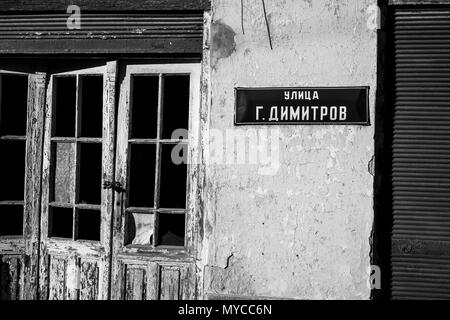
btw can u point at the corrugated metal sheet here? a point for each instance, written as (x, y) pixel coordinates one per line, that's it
(421, 154)
(44, 33)
(420, 277)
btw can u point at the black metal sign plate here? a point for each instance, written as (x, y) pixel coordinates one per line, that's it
(302, 106)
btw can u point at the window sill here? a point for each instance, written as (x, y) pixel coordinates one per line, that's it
(161, 253)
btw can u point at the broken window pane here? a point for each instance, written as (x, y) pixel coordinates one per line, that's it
(64, 172)
(173, 177)
(139, 229)
(171, 229)
(91, 106)
(60, 222)
(12, 162)
(142, 175)
(90, 173)
(13, 104)
(176, 104)
(89, 225)
(12, 220)
(65, 102)
(145, 90)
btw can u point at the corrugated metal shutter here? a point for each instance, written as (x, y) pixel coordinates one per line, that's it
(102, 33)
(421, 155)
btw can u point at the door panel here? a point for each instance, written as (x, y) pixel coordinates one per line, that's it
(76, 208)
(64, 209)
(147, 280)
(21, 125)
(153, 226)
(11, 277)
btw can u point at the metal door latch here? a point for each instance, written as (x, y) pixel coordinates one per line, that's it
(116, 186)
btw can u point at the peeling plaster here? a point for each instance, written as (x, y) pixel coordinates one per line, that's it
(223, 44)
(305, 232)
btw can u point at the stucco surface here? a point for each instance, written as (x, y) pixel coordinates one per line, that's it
(304, 231)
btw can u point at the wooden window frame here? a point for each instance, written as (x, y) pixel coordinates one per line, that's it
(70, 250)
(76, 140)
(23, 138)
(22, 248)
(38, 252)
(193, 142)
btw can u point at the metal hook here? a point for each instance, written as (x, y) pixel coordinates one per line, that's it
(116, 186)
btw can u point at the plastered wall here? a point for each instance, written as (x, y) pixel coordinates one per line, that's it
(303, 232)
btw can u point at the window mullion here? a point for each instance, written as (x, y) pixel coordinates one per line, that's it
(158, 157)
(77, 156)
(158, 143)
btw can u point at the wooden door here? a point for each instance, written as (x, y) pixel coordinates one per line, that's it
(78, 160)
(154, 233)
(21, 117)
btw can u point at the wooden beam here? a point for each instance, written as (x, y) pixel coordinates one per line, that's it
(35, 132)
(87, 46)
(418, 2)
(104, 5)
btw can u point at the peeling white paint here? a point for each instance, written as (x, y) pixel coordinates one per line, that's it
(303, 232)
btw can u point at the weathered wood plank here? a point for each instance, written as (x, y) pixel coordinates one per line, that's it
(105, 5)
(57, 279)
(73, 140)
(118, 272)
(153, 281)
(44, 264)
(13, 245)
(44, 267)
(158, 153)
(35, 128)
(108, 148)
(194, 172)
(29, 158)
(135, 284)
(123, 120)
(72, 278)
(158, 254)
(200, 193)
(187, 282)
(77, 154)
(170, 283)
(87, 248)
(10, 277)
(89, 281)
(88, 46)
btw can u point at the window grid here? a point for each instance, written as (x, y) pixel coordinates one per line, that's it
(76, 141)
(14, 139)
(158, 142)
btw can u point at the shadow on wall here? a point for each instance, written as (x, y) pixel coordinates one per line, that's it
(222, 39)
(382, 225)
